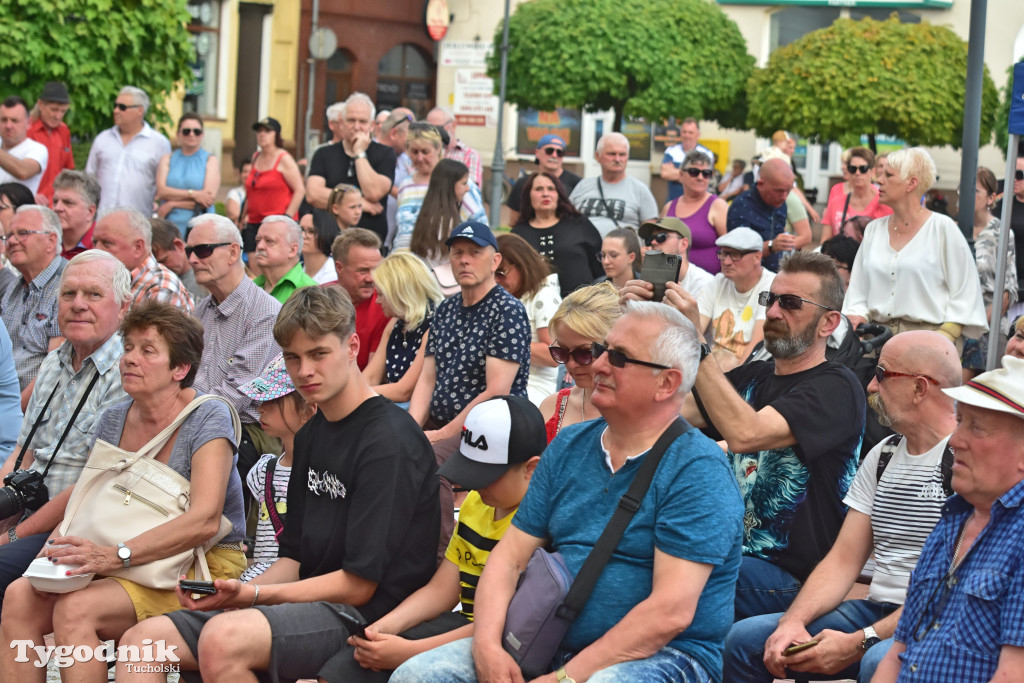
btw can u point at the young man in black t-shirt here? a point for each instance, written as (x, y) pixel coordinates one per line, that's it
(362, 527)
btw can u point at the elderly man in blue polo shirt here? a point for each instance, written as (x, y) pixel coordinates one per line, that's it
(763, 208)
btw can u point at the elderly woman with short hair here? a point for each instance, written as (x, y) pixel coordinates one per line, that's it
(914, 269)
(162, 349)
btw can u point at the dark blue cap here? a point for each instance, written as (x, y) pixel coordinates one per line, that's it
(474, 231)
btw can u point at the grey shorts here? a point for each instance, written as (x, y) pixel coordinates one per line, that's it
(304, 636)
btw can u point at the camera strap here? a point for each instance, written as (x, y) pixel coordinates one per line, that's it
(67, 428)
(611, 214)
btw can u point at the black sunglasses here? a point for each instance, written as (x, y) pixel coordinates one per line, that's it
(787, 302)
(581, 356)
(121, 106)
(203, 250)
(658, 238)
(191, 131)
(881, 374)
(557, 151)
(1019, 175)
(618, 359)
(694, 172)
(854, 170)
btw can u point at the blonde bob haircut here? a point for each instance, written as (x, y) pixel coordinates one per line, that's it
(588, 311)
(408, 285)
(913, 162)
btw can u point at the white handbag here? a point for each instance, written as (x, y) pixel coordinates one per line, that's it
(120, 495)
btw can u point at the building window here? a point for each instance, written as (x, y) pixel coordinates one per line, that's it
(794, 23)
(204, 27)
(405, 78)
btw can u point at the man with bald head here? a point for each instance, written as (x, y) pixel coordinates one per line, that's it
(278, 245)
(613, 199)
(894, 502)
(442, 117)
(763, 208)
(127, 234)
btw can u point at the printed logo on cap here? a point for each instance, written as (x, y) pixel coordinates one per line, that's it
(485, 435)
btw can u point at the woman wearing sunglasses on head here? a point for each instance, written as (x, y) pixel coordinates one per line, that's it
(584, 317)
(862, 200)
(703, 212)
(914, 270)
(558, 231)
(188, 178)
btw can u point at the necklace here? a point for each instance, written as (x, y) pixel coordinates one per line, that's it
(955, 563)
(583, 406)
(906, 224)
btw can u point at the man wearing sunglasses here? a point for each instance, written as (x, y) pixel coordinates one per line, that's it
(660, 609)
(894, 502)
(763, 208)
(613, 199)
(672, 236)
(125, 158)
(238, 327)
(550, 152)
(689, 134)
(793, 428)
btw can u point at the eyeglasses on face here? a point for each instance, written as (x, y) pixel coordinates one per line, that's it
(729, 255)
(191, 131)
(618, 359)
(121, 106)
(854, 169)
(658, 238)
(695, 172)
(881, 374)
(787, 302)
(601, 255)
(505, 269)
(1019, 175)
(580, 356)
(20, 234)
(203, 250)
(557, 151)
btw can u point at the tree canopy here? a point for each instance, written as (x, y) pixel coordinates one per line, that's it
(650, 58)
(867, 77)
(95, 47)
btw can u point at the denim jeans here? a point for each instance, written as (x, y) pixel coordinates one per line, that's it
(744, 646)
(763, 588)
(453, 663)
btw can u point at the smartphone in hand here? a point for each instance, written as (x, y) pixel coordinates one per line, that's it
(356, 627)
(200, 587)
(658, 269)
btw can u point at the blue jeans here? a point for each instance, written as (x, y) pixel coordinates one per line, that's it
(763, 588)
(453, 663)
(744, 646)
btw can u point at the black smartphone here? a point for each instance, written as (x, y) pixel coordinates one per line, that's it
(201, 587)
(658, 269)
(793, 649)
(355, 626)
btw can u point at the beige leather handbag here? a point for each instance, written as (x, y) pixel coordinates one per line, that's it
(120, 495)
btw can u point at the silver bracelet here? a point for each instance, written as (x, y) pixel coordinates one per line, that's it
(256, 596)
(12, 534)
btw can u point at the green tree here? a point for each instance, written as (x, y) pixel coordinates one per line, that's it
(95, 47)
(868, 77)
(650, 58)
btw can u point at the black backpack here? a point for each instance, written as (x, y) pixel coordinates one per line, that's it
(889, 447)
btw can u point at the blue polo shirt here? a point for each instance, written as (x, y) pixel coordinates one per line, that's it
(749, 210)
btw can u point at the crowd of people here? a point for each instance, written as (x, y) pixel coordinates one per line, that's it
(384, 410)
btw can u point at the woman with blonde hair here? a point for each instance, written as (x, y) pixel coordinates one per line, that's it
(584, 317)
(409, 295)
(914, 270)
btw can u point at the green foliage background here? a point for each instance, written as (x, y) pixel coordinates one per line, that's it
(95, 47)
(650, 58)
(863, 77)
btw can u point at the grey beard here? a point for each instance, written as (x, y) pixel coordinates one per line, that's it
(876, 404)
(786, 347)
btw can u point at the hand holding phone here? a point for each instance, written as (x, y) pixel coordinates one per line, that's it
(356, 627)
(200, 587)
(658, 269)
(793, 649)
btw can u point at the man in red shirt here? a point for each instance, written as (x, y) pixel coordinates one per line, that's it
(48, 128)
(356, 253)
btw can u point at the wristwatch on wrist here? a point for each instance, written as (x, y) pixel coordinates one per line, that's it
(870, 638)
(12, 534)
(361, 155)
(562, 676)
(705, 351)
(125, 554)
(770, 242)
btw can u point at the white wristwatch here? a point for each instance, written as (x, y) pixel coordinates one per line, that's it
(870, 638)
(125, 554)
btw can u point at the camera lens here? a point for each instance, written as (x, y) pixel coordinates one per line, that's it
(11, 502)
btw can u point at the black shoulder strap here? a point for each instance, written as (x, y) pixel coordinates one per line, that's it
(888, 448)
(67, 428)
(607, 207)
(268, 497)
(846, 206)
(586, 579)
(947, 470)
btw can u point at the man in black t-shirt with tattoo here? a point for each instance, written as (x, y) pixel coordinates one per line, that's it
(793, 427)
(362, 528)
(356, 160)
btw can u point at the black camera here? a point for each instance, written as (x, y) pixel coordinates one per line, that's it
(23, 490)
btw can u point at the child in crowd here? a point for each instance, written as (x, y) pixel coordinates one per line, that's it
(282, 413)
(501, 445)
(346, 205)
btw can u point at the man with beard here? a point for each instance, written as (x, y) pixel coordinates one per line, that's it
(895, 501)
(792, 426)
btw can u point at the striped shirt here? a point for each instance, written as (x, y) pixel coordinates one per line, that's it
(265, 552)
(151, 280)
(29, 310)
(904, 508)
(475, 537)
(460, 151)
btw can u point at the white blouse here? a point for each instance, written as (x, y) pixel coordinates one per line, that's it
(932, 279)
